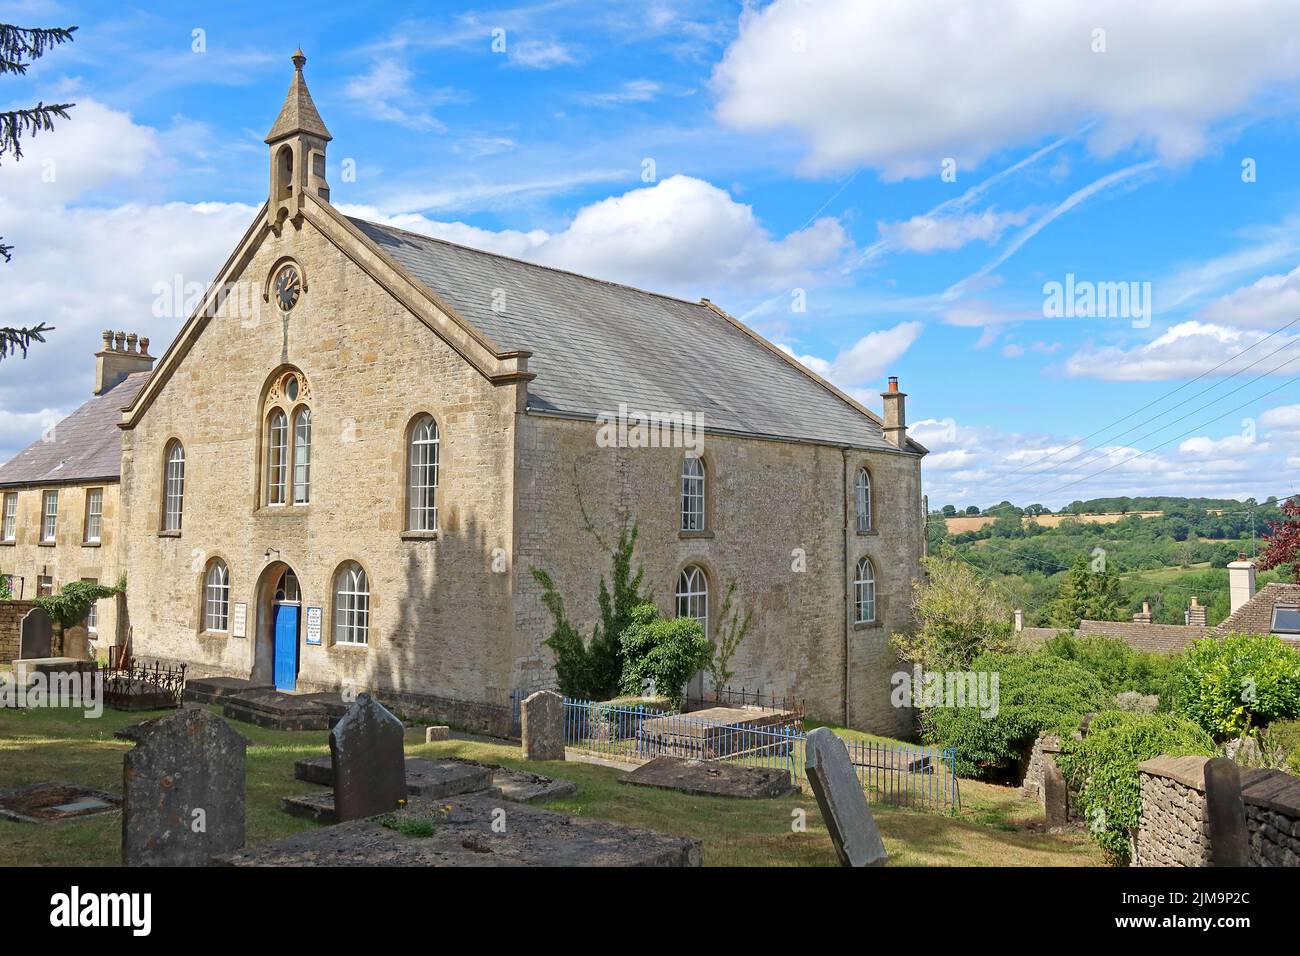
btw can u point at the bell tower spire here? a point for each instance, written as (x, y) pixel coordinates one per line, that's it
(297, 142)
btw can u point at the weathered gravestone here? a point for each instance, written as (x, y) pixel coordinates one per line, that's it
(36, 635)
(1225, 812)
(1056, 795)
(842, 801)
(541, 721)
(183, 791)
(369, 763)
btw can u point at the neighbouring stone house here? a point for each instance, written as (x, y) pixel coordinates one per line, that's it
(346, 464)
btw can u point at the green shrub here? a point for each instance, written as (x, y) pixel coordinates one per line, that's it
(1102, 769)
(665, 651)
(1232, 685)
(1036, 692)
(1282, 740)
(1119, 667)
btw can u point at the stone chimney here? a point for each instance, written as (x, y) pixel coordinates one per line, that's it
(119, 358)
(1241, 582)
(1145, 616)
(895, 414)
(1020, 620)
(1196, 614)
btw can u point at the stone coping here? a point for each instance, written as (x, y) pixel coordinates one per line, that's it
(1270, 789)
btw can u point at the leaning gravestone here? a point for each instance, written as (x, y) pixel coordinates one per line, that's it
(1056, 795)
(541, 722)
(183, 791)
(369, 763)
(842, 801)
(1225, 813)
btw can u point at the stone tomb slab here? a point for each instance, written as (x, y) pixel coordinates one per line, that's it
(463, 835)
(520, 786)
(218, 690)
(54, 802)
(711, 778)
(275, 710)
(430, 779)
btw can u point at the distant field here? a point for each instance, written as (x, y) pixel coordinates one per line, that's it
(961, 524)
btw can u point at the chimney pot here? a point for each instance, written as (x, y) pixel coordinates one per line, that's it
(131, 339)
(895, 418)
(119, 358)
(144, 345)
(1241, 582)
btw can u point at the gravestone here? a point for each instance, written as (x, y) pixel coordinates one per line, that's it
(1056, 796)
(369, 763)
(1225, 813)
(183, 791)
(842, 801)
(541, 724)
(36, 635)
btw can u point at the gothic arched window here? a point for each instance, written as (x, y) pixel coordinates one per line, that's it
(693, 595)
(864, 593)
(174, 487)
(286, 447)
(693, 480)
(351, 605)
(216, 597)
(863, 489)
(422, 475)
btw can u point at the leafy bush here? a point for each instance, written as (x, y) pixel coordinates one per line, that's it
(1119, 667)
(1282, 737)
(665, 651)
(1231, 685)
(1036, 692)
(958, 616)
(1102, 769)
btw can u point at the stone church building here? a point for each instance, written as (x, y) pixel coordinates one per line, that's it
(345, 466)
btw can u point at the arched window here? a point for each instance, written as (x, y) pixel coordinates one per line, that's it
(277, 457)
(351, 605)
(216, 597)
(864, 593)
(284, 173)
(864, 499)
(302, 456)
(692, 493)
(693, 595)
(422, 481)
(174, 487)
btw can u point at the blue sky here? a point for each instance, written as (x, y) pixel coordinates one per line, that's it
(879, 187)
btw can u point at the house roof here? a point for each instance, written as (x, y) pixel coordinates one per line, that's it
(85, 446)
(596, 345)
(1256, 615)
(1157, 638)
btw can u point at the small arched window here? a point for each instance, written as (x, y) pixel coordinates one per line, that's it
(422, 481)
(284, 173)
(302, 456)
(216, 597)
(863, 489)
(351, 605)
(277, 457)
(174, 487)
(693, 595)
(864, 593)
(692, 493)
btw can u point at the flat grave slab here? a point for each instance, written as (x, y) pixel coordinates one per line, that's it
(719, 732)
(712, 778)
(215, 690)
(55, 802)
(520, 786)
(425, 777)
(276, 710)
(463, 835)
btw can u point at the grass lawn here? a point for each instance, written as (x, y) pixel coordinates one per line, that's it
(994, 827)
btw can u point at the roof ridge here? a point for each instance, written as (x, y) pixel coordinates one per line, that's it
(535, 265)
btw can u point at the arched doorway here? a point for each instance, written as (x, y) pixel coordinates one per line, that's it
(279, 619)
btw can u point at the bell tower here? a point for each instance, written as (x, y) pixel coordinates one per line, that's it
(297, 142)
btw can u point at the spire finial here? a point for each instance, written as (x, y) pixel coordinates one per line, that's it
(299, 60)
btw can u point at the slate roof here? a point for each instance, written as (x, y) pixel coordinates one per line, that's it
(1256, 615)
(86, 446)
(1157, 638)
(298, 115)
(598, 344)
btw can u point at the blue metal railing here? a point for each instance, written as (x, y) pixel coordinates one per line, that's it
(921, 777)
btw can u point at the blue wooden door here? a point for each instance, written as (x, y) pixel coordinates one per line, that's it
(286, 646)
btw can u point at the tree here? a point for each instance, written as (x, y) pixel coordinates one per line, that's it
(72, 604)
(663, 651)
(19, 47)
(1086, 593)
(949, 511)
(1282, 543)
(958, 616)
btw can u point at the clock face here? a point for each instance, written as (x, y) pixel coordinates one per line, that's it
(288, 285)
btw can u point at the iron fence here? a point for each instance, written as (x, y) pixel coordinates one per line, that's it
(730, 697)
(137, 685)
(919, 777)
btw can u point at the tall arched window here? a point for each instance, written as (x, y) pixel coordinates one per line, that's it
(277, 457)
(302, 456)
(174, 487)
(864, 499)
(864, 593)
(422, 481)
(692, 493)
(216, 597)
(351, 605)
(693, 595)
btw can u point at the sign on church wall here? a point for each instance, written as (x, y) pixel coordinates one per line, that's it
(313, 625)
(239, 621)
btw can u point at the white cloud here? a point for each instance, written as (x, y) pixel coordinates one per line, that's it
(1188, 349)
(539, 54)
(936, 233)
(902, 84)
(385, 93)
(681, 235)
(633, 91)
(1269, 302)
(1284, 418)
(864, 362)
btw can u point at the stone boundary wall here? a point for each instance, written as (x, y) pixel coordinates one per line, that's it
(1175, 830)
(11, 619)
(1032, 785)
